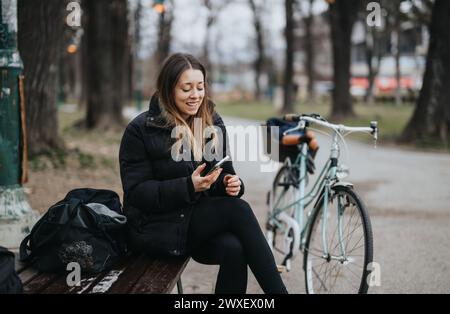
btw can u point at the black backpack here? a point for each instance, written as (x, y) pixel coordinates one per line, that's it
(9, 281)
(72, 231)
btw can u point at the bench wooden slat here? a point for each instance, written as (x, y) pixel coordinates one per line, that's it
(40, 282)
(60, 286)
(130, 276)
(135, 274)
(87, 282)
(161, 275)
(27, 275)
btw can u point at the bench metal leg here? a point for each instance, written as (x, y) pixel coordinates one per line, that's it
(179, 286)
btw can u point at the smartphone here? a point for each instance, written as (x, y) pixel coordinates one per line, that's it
(217, 165)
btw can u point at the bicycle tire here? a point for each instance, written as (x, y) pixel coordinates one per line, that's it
(368, 242)
(282, 173)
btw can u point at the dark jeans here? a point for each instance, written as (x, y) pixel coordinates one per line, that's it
(224, 231)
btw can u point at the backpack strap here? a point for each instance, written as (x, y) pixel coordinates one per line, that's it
(25, 257)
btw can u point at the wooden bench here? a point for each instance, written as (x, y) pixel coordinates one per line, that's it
(138, 274)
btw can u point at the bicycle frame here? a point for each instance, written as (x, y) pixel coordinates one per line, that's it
(322, 186)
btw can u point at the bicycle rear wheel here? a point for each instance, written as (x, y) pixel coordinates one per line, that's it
(335, 272)
(284, 192)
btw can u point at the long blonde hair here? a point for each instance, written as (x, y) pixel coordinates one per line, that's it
(168, 78)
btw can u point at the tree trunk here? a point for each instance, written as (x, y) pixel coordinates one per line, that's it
(259, 62)
(288, 85)
(164, 37)
(431, 118)
(372, 71)
(106, 64)
(342, 17)
(309, 46)
(41, 29)
(206, 46)
(396, 52)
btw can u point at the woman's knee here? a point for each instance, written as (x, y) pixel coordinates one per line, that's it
(240, 207)
(231, 247)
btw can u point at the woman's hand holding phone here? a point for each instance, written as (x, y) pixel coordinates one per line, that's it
(204, 183)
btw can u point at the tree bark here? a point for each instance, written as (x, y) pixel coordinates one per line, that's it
(41, 29)
(431, 117)
(396, 52)
(206, 45)
(288, 84)
(343, 15)
(214, 9)
(259, 62)
(106, 65)
(372, 51)
(164, 35)
(309, 47)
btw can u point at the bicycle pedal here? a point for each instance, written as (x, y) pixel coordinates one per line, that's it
(281, 269)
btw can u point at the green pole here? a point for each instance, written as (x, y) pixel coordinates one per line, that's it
(13, 204)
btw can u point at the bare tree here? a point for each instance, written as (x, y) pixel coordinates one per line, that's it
(394, 20)
(373, 59)
(164, 33)
(343, 14)
(288, 83)
(107, 45)
(309, 49)
(258, 65)
(136, 75)
(40, 34)
(431, 117)
(214, 9)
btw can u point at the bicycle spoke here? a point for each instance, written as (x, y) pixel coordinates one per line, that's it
(320, 280)
(336, 277)
(359, 246)
(356, 275)
(329, 271)
(351, 284)
(319, 251)
(343, 240)
(352, 249)
(351, 234)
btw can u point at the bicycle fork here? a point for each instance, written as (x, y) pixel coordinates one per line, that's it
(327, 195)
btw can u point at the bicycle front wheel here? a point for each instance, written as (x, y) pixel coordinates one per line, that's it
(344, 266)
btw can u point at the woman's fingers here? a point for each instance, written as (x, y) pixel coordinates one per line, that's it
(234, 184)
(199, 169)
(210, 179)
(233, 181)
(232, 193)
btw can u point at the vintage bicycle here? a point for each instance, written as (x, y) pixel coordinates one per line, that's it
(335, 235)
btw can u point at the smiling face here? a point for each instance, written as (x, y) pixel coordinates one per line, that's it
(189, 92)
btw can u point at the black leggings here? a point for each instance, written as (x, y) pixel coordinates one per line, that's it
(224, 231)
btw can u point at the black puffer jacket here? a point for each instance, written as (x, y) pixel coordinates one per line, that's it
(159, 195)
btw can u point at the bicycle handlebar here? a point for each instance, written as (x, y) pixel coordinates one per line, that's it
(317, 119)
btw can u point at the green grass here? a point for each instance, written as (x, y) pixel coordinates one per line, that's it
(391, 119)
